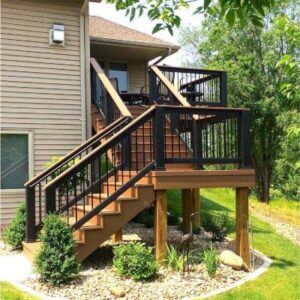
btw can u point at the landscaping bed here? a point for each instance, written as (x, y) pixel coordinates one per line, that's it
(98, 280)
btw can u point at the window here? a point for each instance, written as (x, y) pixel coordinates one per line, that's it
(119, 71)
(14, 161)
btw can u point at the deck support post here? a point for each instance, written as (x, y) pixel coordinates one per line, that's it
(196, 207)
(242, 221)
(186, 198)
(160, 224)
(118, 236)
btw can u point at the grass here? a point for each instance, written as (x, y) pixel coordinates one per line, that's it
(281, 281)
(280, 209)
(9, 292)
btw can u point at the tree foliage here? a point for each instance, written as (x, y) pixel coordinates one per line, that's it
(254, 59)
(166, 13)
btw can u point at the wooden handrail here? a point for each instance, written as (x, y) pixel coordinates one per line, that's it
(110, 89)
(170, 86)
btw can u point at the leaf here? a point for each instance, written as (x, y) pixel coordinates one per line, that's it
(230, 17)
(132, 14)
(157, 28)
(206, 4)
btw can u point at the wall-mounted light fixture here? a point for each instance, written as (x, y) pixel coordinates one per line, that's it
(57, 35)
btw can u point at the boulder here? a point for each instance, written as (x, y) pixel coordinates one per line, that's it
(117, 291)
(231, 259)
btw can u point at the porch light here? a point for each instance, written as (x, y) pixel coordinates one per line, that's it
(57, 35)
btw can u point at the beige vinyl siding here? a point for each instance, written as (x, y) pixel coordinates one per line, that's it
(137, 75)
(40, 85)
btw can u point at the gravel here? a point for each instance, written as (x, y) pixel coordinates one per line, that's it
(97, 275)
(7, 250)
(287, 230)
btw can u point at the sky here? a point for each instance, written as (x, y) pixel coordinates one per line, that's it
(143, 24)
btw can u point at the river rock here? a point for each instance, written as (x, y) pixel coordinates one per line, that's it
(231, 259)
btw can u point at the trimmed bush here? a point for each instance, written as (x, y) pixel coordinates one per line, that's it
(217, 224)
(210, 258)
(14, 235)
(134, 260)
(56, 262)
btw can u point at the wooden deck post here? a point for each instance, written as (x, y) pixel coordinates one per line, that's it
(186, 198)
(196, 207)
(118, 236)
(242, 221)
(160, 225)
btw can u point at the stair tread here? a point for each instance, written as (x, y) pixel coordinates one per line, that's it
(90, 207)
(122, 197)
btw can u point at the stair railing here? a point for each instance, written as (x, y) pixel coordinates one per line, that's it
(198, 87)
(35, 196)
(80, 196)
(105, 96)
(221, 138)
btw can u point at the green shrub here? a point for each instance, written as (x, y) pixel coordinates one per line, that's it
(56, 262)
(14, 235)
(80, 177)
(210, 258)
(217, 224)
(175, 260)
(134, 260)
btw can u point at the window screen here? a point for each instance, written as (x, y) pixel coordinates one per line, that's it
(14, 160)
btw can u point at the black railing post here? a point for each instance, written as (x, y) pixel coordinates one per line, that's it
(30, 214)
(197, 143)
(223, 89)
(153, 87)
(50, 200)
(159, 139)
(245, 139)
(127, 152)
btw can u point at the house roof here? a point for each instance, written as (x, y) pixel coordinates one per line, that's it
(107, 31)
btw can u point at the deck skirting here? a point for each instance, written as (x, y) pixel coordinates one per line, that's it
(184, 179)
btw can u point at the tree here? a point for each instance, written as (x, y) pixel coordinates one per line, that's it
(251, 56)
(166, 13)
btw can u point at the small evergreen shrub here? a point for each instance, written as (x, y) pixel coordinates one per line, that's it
(210, 258)
(56, 262)
(217, 224)
(134, 260)
(175, 260)
(14, 234)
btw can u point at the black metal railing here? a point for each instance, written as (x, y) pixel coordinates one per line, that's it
(206, 136)
(163, 134)
(35, 196)
(86, 188)
(199, 87)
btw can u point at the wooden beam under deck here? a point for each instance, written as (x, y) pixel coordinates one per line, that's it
(189, 179)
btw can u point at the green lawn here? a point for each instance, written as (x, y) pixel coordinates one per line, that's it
(282, 280)
(9, 292)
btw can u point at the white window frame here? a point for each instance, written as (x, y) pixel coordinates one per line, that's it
(30, 135)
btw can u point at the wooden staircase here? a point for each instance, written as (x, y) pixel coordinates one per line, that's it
(139, 142)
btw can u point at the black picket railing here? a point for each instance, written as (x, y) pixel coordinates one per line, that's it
(199, 87)
(35, 195)
(105, 173)
(209, 135)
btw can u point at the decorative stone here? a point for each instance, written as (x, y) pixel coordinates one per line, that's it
(117, 291)
(231, 259)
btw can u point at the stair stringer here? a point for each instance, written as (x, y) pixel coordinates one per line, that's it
(93, 238)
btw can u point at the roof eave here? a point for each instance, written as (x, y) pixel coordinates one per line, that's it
(174, 48)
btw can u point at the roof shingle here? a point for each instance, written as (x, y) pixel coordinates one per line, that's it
(104, 29)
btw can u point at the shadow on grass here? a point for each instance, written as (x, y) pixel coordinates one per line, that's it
(281, 263)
